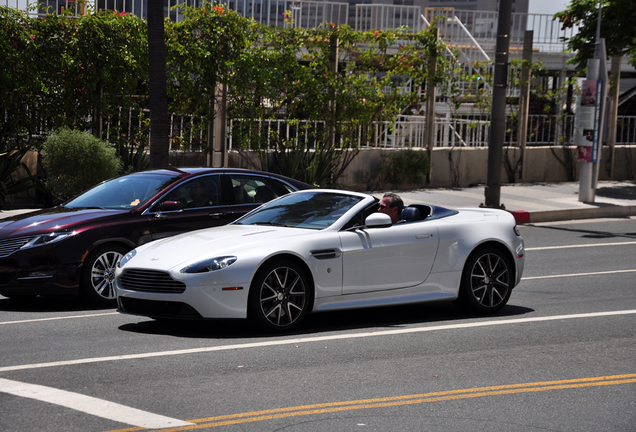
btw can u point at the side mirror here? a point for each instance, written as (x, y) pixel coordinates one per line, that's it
(378, 220)
(170, 206)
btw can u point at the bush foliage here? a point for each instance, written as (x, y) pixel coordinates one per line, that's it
(75, 161)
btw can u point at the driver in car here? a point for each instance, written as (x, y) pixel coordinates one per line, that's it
(391, 205)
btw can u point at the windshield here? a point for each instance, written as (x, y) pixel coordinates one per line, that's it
(125, 193)
(310, 210)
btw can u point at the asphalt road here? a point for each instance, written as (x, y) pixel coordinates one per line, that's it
(560, 357)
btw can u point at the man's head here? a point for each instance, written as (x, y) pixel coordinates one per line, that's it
(392, 205)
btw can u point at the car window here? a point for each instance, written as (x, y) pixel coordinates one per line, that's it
(125, 192)
(252, 189)
(196, 193)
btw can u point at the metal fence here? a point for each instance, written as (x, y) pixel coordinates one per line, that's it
(409, 131)
(453, 23)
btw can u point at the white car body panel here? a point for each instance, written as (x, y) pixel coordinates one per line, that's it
(381, 259)
(404, 263)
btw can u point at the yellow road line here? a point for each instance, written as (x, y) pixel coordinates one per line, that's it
(278, 413)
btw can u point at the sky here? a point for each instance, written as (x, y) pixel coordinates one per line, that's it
(547, 6)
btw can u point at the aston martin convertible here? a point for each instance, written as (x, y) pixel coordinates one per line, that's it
(321, 250)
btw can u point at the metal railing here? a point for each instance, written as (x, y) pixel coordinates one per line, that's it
(409, 131)
(482, 25)
(386, 16)
(189, 132)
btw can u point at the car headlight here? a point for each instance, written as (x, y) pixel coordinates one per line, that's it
(209, 265)
(127, 258)
(47, 239)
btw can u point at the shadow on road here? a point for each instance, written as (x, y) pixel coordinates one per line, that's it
(623, 192)
(380, 318)
(47, 304)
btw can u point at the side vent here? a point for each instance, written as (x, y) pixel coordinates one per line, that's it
(324, 254)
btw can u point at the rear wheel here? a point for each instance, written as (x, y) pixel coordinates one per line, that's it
(279, 295)
(487, 281)
(98, 278)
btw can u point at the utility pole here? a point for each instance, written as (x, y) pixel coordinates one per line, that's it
(498, 111)
(591, 123)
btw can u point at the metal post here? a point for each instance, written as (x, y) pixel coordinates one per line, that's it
(524, 99)
(613, 110)
(586, 191)
(430, 107)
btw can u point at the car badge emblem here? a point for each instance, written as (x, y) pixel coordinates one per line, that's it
(154, 259)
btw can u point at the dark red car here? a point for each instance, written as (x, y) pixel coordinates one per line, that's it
(74, 248)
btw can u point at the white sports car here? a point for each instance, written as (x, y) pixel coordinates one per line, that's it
(319, 250)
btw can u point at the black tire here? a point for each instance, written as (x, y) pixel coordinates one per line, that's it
(487, 281)
(98, 278)
(279, 296)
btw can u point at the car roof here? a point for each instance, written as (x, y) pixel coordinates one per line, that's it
(197, 171)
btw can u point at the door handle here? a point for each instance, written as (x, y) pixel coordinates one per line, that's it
(423, 236)
(216, 215)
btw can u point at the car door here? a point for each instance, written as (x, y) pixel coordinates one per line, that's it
(197, 212)
(394, 257)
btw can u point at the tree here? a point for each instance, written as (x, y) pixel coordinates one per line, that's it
(617, 28)
(157, 87)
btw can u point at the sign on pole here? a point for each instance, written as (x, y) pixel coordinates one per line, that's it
(587, 133)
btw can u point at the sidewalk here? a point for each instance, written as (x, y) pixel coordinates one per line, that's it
(533, 203)
(529, 203)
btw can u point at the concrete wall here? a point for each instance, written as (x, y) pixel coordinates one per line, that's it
(456, 167)
(462, 167)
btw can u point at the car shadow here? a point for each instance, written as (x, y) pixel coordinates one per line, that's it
(47, 304)
(386, 317)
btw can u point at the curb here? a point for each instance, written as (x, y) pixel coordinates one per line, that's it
(525, 217)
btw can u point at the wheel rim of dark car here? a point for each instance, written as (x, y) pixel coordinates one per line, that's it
(103, 274)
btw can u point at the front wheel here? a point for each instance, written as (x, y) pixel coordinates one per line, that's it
(98, 278)
(487, 281)
(279, 295)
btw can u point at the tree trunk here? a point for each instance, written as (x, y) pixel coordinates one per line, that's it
(159, 118)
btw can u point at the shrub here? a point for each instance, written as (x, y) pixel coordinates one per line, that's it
(74, 161)
(405, 167)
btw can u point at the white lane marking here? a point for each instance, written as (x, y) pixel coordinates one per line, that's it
(578, 274)
(580, 246)
(90, 405)
(58, 318)
(314, 339)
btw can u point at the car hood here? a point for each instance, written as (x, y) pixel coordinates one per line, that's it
(227, 240)
(53, 219)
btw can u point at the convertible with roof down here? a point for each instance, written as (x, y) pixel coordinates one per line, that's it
(320, 250)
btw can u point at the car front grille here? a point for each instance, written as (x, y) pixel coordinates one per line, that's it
(8, 246)
(150, 281)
